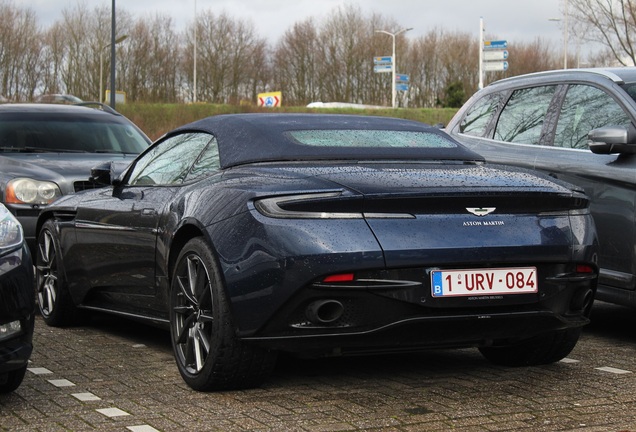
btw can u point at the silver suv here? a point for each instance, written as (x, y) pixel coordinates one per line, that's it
(578, 126)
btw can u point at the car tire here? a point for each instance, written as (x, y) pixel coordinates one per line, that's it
(53, 298)
(208, 352)
(543, 349)
(12, 380)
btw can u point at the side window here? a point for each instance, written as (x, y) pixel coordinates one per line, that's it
(523, 116)
(479, 115)
(207, 163)
(586, 108)
(169, 161)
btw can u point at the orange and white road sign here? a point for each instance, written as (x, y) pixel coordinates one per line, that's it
(270, 100)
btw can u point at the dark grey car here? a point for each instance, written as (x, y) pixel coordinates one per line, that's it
(47, 151)
(543, 121)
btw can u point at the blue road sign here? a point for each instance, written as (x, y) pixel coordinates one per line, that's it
(401, 78)
(382, 60)
(402, 87)
(496, 44)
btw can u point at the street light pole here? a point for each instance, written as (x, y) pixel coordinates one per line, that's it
(565, 34)
(101, 66)
(394, 61)
(194, 66)
(112, 58)
(565, 38)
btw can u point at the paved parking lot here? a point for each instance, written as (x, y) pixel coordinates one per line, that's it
(116, 375)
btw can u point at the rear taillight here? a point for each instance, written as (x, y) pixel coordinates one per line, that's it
(584, 268)
(341, 277)
(323, 205)
(304, 206)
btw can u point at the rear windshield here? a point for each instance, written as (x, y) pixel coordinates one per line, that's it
(70, 136)
(370, 138)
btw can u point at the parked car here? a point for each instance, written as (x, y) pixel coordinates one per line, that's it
(546, 121)
(321, 235)
(46, 151)
(58, 98)
(17, 303)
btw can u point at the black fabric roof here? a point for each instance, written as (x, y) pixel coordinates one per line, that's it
(249, 138)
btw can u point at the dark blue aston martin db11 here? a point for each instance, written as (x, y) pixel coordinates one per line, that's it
(321, 235)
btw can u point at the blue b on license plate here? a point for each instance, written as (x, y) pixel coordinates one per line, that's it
(475, 282)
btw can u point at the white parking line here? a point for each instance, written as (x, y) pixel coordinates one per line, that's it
(112, 412)
(39, 370)
(613, 370)
(61, 383)
(85, 397)
(142, 428)
(569, 360)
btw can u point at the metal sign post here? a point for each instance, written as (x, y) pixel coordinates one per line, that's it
(493, 55)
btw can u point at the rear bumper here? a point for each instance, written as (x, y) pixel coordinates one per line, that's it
(419, 333)
(401, 314)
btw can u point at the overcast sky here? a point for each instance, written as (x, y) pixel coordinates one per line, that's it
(513, 20)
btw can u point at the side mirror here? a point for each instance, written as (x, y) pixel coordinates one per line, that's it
(102, 174)
(612, 139)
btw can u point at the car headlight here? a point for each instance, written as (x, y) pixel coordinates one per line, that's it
(11, 234)
(9, 330)
(29, 191)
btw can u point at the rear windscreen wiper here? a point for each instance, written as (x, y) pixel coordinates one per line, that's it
(38, 150)
(9, 149)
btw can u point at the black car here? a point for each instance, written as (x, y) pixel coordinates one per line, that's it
(46, 151)
(17, 303)
(546, 121)
(321, 235)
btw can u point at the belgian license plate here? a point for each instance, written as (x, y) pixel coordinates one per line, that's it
(476, 282)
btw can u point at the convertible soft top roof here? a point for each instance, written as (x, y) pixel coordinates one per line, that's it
(250, 138)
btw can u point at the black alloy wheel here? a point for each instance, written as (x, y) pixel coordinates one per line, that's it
(53, 298)
(208, 353)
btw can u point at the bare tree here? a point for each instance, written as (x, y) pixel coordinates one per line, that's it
(230, 58)
(148, 63)
(433, 71)
(346, 52)
(612, 23)
(53, 58)
(77, 45)
(334, 61)
(20, 52)
(296, 63)
(77, 25)
(425, 69)
(534, 56)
